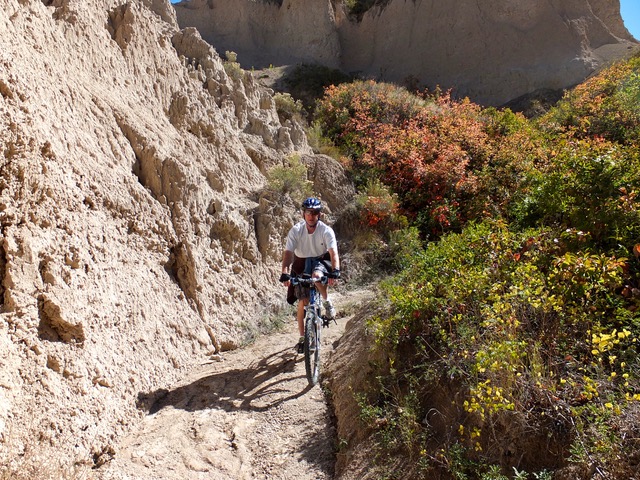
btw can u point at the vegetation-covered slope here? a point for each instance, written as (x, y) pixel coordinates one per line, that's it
(509, 342)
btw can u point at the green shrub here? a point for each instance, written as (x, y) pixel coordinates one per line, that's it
(511, 318)
(288, 108)
(590, 186)
(320, 143)
(606, 105)
(290, 179)
(403, 245)
(232, 67)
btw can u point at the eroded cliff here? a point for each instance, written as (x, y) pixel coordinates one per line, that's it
(491, 51)
(134, 236)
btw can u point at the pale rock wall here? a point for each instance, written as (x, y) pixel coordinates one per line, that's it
(267, 32)
(491, 51)
(131, 170)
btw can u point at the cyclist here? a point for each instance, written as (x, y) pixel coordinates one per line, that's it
(311, 248)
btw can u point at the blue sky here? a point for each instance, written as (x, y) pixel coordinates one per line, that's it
(630, 10)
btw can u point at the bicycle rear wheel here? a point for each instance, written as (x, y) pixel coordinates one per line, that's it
(312, 348)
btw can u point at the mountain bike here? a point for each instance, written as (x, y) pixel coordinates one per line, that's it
(313, 323)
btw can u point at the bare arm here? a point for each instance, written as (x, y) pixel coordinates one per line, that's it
(335, 258)
(287, 260)
(335, 263)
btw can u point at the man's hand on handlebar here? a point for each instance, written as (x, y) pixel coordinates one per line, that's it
(285, 278)
(333, 276)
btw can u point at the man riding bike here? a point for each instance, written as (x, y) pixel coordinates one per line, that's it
(311, 248)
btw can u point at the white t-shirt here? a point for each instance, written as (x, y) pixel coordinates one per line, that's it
(306, 245)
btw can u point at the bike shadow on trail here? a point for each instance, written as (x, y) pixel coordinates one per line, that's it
(262, 386)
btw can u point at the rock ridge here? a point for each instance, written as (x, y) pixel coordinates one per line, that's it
(490, 51)
(134, 239)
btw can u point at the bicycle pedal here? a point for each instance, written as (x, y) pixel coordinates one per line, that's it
(326, 322)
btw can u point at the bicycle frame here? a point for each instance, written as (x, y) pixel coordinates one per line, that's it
(312, 326)
(314, 302)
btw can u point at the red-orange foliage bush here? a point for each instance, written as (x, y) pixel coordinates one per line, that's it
(347, 108)
(427, 149)
(379, 208)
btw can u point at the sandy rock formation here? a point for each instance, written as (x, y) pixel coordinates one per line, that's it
(267, 32)
(492, 51)
(131, 169)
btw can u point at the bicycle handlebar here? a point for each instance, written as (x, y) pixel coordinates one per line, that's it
(307, 281)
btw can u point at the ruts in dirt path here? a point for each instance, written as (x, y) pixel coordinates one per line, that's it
(249, 415)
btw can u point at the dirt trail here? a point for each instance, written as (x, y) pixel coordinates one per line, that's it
(251, 414)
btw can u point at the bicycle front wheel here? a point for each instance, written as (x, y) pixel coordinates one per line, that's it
(312, 348)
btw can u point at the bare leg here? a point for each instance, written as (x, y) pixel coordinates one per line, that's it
(324, 293)
(321, 288)
(300, 315)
